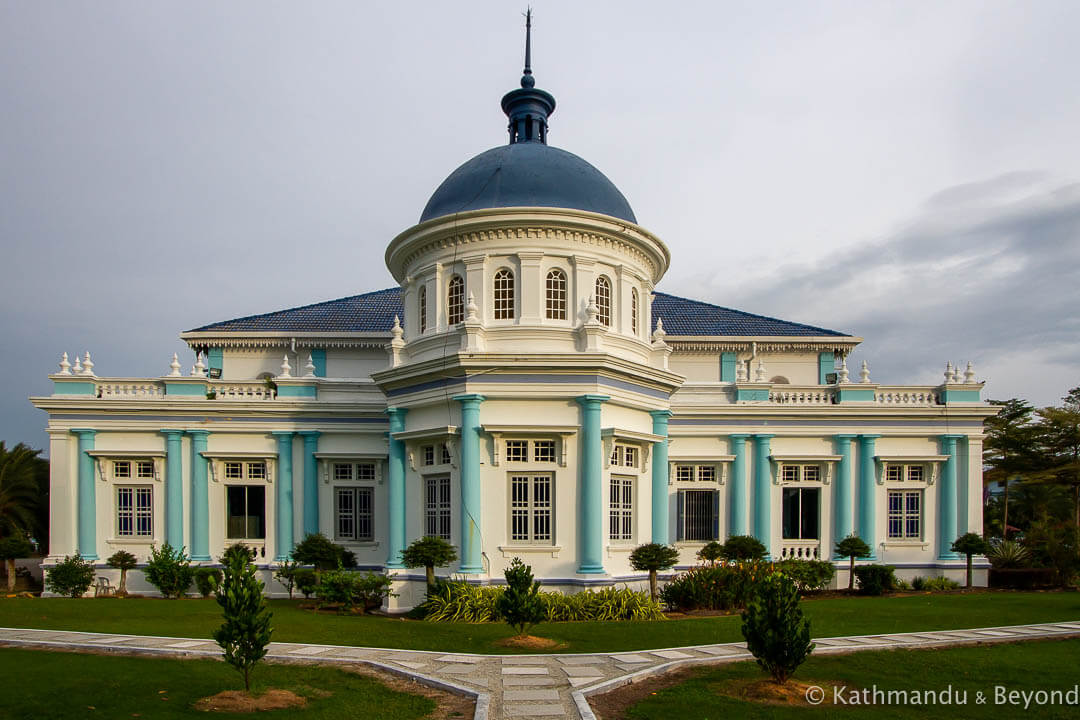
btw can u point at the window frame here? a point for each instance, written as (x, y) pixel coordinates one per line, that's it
(440, 511)
(135, 490)
(556, 288)
(712, 521)
(605, 302)
(247, 486)
(503, 293)
(531, 510)
(634, 305)
(422, 309)
(621, 506)
(800, 490)
(904, 515)
(358, 516)
(455, 300)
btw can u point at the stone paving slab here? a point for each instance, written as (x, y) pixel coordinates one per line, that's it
(582, 671)
(579, 681)
(515, 695)
(631, 658)
(671, 654)
(534, 710)
(518, 681)
(526, 660)
(524, 670)
(581, 659)
(721, 650)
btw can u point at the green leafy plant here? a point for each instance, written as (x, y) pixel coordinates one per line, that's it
(875, 579)
(429, 553)
(740, 548)
(123, 561)
(72, 576)
(307, 581)
(169, 570)
(207, 580)
(353, 590)
(652, 557)
(316, 549)
(520, 605)
(809, 575)
(970, 544)
(286, 574)
(939, 584)
(237, 549)
(711, 552)
(714, 587)
(852, 547)
(604, 605)
(458, 601)
(245, 633)
(12, 548)
(774, 627)
(1007, 554)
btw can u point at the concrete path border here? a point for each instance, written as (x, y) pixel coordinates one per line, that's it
(524, 686)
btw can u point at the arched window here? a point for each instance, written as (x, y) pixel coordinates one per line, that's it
(455, 300)
(603, 300)
(633, 310)
(556, 295)
(504, 295)
(422, 302)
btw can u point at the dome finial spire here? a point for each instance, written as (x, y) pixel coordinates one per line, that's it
(527, 80)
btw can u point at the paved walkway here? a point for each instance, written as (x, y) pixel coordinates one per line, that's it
(525, 686)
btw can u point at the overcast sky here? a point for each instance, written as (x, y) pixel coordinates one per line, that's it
(907, 172)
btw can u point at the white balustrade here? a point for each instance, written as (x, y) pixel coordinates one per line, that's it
(901, 396)
(117, 389)
(794, 395)
(242, 391)
(800, 549)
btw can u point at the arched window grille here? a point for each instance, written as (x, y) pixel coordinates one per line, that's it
(556, 295)
(422, 301)
(504, 295)
(603, 300)
(633, 311)
(455, 300)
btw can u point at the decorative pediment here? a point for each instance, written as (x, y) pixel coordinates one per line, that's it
(644, 441)
(931, 466)
(218, 460)
(104, 459)
(825, 462)
(722, 463)
(326, 462)
(557, 432)
(415, 439)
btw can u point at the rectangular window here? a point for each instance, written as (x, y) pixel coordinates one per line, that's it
(915, 473)
(437, 507)
(621, 508)
(354, 513)
(624, 456)
(905, 514)
(135, 511)
(256, 471)
(684, 473)
(706, 473)
(144, 469)
(543, 451)
(698, 515)
(121, 469)
(789, 473)
(429, 454)
(530, 508)
(234, 470)
(801, 508)
(517, 450)
(811, 473)
(365, 471)
(343, 472)
(245, 512)
(445, 454)
(894, 473)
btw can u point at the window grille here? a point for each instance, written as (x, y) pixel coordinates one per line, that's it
(684, 473)
(504, 295)
(354, 510)
(365, 471)
(422, 301)
(455, 300)
(543, 451)
(517, 450)
(144, 469)
(905, 514)
(429, 455)
(530, 508)
(343, 471)
(621, 508)
(437, 507)
(698, 515)
(135, 511)
(445, 455)
(556, 295)
(121, 469)
(603, 300)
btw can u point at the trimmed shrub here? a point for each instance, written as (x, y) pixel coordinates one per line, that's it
(810, 576)
(169, 570)
(72, 577)
(652, 557)
(123, 561)
(520, 604)
(714, 587)
(458, 601)
(939, 584)
(875, 579)
(970, 544)
(429, 553)
(774, 628)
(207, 580)
(307, 581)
(740, 548)
(245, 634)
(237, 549)
(712, 552)
(852, 547)
(606, 604)
(316, 549)
(351, 589)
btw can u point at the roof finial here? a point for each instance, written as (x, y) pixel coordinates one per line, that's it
(527, 80)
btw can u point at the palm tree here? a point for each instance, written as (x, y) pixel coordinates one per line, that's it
(19, 491)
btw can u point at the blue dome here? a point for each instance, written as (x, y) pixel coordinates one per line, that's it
(527, 174)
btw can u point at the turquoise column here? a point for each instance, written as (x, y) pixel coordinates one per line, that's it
(737, 500)
(762, 492)
(660, 478)
(591, 523)
(867, 493)
(471, 494)
(947, 499)
(396, 490)
(843, 508)
(200, 498)
(174, 489)
(311, 481)
(284, 480)
(87, 512)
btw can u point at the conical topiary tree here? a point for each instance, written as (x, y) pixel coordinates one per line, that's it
(653, 557)
(774, 628)
(970, 544)
(123, 561)
(520, 605)
(429, 553)
(852, 547)
(245, 634)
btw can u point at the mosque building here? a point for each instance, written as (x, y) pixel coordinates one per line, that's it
(525, 391)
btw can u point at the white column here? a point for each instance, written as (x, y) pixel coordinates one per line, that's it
(584, 279)
(530, 290)
(476, 283)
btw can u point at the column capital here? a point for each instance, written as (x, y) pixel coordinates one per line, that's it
(279, 434)
(660, 413)
(171, 434)
(952, 436)
(84, 431)
(865, 436)
(845, 436)
(314, 434)
(194, 433)
(591, 399)
(762, 437)
(469, 398)
(396, 411)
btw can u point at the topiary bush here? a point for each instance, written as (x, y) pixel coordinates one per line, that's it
(307, 581)
(316, 549)
(742, 548)
(429, 553)
(875, 579)
(123, 561)
(72, 577)
(711, 552)
(852, 547)
(970, 544)
(353, 590)
(810, 576)
(652, 557)
(714, 587)
(245, 634)
(774, 628)
(207, 580)
(169, 570)
(520, 605)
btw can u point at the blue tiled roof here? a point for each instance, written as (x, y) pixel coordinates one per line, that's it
(370, 312)
(375, 311)
(693, 317)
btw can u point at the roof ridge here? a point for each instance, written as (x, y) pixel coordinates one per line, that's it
(309, 306)
(752, 315)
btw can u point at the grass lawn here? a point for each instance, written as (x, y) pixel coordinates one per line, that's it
(69, 685)
(828, 616)
(1027, 667)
